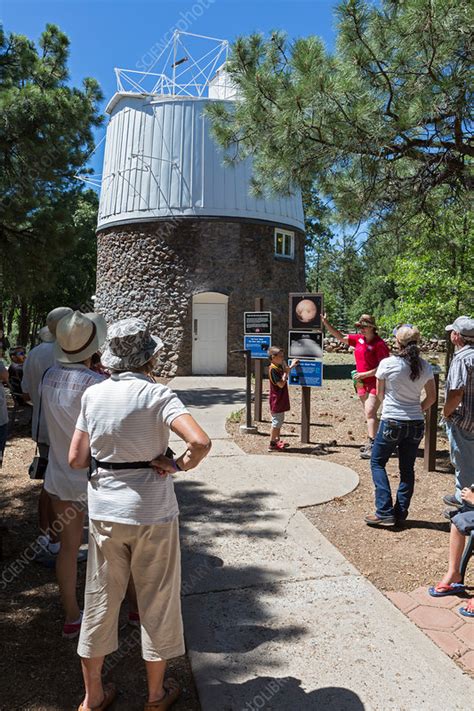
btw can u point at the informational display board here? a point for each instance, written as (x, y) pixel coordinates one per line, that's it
(258, 322)
(305, 311)
(257, 345)
(309, 374)
(305, 344)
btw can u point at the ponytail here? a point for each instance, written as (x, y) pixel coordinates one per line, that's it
(411, 354)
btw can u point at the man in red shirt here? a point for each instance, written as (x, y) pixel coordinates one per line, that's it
(369, 350)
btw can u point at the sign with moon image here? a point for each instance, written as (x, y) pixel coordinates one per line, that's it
(305, 311)
(305, 345)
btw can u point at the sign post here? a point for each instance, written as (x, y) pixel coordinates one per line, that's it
(258, 339)
(429, 458)
(248, 428)
(257, 405)
(305, 341)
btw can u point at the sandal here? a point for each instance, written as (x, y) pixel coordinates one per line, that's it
(110, 692)
(468, 610)
(172, 691)
(449, 589)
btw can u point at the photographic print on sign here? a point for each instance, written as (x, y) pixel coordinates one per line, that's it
(305, 344)
(305, 311)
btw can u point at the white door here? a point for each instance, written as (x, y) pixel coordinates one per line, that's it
(209, 339)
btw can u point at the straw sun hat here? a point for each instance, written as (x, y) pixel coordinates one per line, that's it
(78, 336)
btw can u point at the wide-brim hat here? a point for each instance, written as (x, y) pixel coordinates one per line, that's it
(129, 345)
(55, 316)
(45, 335)
(366, 320)
(79, 336)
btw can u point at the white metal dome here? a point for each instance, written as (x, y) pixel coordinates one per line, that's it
(162, 162)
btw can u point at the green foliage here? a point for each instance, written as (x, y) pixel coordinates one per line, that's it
(386, 119)
(434, 278)
(45, 137)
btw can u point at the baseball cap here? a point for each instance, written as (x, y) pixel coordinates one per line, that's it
(462, 325)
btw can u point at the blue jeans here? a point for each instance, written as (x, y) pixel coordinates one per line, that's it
(407, 435)
(461, 446)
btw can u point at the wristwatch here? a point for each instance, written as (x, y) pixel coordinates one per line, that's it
(176, 466)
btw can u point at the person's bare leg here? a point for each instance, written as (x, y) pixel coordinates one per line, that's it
(456, 548)
(371, 405)
(71, 522)
(155, 672)
(46, 515)
(275, 434)
(92, 673)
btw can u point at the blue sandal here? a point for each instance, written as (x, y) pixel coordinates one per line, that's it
(444, 590)
(465, 612)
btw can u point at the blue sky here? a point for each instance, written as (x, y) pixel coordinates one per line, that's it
(111, 33)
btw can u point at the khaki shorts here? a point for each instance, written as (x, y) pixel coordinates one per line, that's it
(152, 555)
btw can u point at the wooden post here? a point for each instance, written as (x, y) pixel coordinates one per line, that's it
(429, 459)
(257, 413)
(305, 414)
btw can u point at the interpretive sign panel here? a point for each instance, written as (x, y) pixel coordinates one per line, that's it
(308, 373)
(258, 322)
(257, 345)
(302, 344)
(305, 311)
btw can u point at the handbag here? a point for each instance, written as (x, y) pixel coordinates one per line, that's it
(37, 468)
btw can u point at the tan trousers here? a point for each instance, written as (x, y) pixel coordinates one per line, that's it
(152, 555)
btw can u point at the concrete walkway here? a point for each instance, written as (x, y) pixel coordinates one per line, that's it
(275, 617)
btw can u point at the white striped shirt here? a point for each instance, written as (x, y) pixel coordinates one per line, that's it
(127, 418)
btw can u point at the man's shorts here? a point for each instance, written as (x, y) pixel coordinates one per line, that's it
(463, 520)
(368, 387)
(278, 419)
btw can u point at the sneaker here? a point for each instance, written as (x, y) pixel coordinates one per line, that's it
(134, 619)
(451, 500)
(367, 452)
(276, 446)
(364, 446)
(374, 520)
(449, 513)
(71, 629)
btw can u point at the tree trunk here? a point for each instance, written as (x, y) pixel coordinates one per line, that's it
(24, 323)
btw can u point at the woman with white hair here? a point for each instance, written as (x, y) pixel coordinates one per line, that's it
(124, 426)
(400, 381)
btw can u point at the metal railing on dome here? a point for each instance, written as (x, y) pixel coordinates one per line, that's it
(192, 65)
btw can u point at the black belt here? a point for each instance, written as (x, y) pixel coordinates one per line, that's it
(120, 465)
(111, 466)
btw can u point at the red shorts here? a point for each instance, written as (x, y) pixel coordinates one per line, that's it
(368, 386)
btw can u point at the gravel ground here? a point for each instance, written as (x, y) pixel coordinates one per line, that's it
(39, 671)
(393, 559)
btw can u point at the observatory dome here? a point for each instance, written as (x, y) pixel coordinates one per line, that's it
(162, 162)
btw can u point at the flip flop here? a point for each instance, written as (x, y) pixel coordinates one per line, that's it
(172, 691)
(110, 692)
(444, 590)
(467, 611)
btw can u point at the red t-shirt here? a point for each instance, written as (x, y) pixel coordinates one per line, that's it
(279, 398)
(367, 355)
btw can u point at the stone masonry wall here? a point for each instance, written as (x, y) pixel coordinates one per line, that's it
(152, 270)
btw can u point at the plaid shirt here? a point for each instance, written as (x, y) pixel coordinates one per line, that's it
(461, 377)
